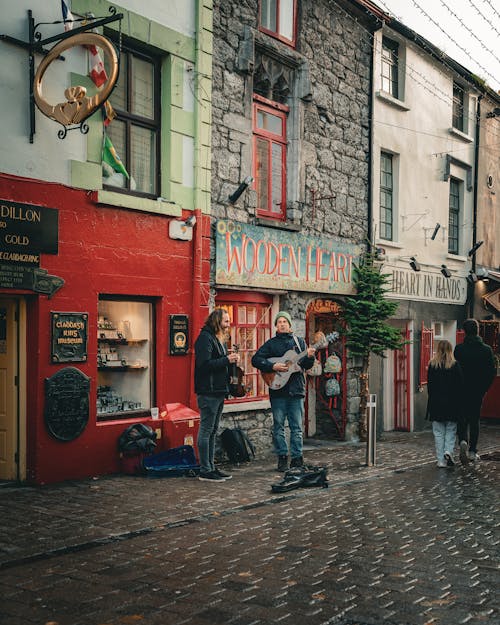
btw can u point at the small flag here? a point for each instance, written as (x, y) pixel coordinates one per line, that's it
(67, 16)
(97, 72)
(110, 157)
(108, 113)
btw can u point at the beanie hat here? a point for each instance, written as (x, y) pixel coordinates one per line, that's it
(285, 315)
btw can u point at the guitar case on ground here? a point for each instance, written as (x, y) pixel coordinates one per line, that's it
(306, 476)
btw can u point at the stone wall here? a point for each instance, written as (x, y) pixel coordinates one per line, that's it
(327, 78)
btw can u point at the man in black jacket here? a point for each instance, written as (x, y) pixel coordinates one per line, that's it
(287, 402)
(478, 366)
(211, 385)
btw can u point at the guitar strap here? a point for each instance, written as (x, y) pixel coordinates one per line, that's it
(297, 343)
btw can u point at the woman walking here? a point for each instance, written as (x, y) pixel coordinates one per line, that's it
(445, 383)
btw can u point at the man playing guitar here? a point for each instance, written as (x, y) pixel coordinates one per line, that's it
(287, 400)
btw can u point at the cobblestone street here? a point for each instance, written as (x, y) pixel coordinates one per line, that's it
(399, 543)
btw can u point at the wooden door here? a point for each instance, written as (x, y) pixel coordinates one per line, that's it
(8, 388)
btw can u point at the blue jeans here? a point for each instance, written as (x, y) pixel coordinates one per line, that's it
(444, 437)
(291, 408)
(210, 411)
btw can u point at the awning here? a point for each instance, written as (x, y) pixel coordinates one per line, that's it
(493, 299)
(494, 274)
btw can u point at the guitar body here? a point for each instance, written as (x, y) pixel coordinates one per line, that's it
(277, 379)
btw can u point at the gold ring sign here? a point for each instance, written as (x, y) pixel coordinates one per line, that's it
(78, 105)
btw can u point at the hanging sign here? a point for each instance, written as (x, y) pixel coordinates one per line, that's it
(179, 334)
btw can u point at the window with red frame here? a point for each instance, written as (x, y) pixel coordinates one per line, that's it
(278, 19)
(269, 155)
(250, 316)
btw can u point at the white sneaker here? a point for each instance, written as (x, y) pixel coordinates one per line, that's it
(464, 448)
(474, 457)
(449, 459)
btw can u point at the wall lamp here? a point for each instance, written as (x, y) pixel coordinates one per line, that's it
(472, 277)
(474, 248)
(414, 264)
(435, 231)
(233, 198)
(445, 271)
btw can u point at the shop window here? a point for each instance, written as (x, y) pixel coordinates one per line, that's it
(250, 316)
(135, 132)
(124, 358)
(269, 154)
(278, 18)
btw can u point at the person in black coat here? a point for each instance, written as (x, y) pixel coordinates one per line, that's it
(478, 364)
(211, 385)
(444, 387)
(287, 403)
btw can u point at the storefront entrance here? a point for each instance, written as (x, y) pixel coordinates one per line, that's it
(11, 432)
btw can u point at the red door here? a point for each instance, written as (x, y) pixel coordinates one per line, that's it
(402, 384)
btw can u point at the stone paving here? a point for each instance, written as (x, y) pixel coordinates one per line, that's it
(399, 543)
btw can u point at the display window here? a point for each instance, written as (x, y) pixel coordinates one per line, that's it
(124, 358)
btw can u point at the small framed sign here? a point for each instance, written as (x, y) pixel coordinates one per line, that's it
(69, 336)
(179, 335)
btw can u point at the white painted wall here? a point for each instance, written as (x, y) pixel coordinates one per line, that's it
(417, 132)
(178, 15)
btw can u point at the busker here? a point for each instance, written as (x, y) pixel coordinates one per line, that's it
(287, 402)
(445, 389)
(478, 365)
(211, 384)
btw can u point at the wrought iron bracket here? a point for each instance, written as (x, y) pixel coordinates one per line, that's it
(35, 45)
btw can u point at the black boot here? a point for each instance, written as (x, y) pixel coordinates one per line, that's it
(282, 463)
(297, 462)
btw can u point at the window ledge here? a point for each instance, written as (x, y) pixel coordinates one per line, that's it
(258, 404)
(462, 135)
(392, 244)
(387, 97)
(281, 225)
(457, 257)
(160, 205)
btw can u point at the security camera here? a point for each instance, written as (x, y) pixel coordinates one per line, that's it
(190, 221)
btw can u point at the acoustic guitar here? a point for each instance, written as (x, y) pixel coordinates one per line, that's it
(277, 379)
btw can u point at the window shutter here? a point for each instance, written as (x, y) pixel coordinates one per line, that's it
(426, 349)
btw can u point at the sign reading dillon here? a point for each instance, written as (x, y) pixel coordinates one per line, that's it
(254, 256)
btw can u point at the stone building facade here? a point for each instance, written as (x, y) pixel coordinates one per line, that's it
(291, 109)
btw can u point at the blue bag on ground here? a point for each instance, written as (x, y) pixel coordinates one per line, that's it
(175, 462)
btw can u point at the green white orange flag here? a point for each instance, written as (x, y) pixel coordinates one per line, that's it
(110, 157)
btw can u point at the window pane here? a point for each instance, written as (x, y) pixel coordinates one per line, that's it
(453, 220)
(252, 315)
(116, 133)
(118, 97)
(143, 156)
(242, 314)
(142, 88)
(262, 166)
(286, 19)
(269, 122)
(268, 14)
(458, 107)
(386, 197)
(277, 178)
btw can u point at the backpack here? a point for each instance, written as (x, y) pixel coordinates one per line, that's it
(237, 445)
(332, 387)
(137, 438)
(333, 364)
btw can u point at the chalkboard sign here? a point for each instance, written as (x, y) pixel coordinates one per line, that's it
(69, 336)
(67, 403)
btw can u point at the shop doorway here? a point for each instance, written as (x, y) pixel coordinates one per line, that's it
(326, 412)
(9, 389)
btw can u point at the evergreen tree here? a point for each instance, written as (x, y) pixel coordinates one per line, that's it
(367, 330)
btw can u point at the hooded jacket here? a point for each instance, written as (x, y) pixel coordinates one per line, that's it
(275, 348)
(445, 389)
(211, 370)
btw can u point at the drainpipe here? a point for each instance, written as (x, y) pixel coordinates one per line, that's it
(370, 154)
(196, 301)
(474, 206)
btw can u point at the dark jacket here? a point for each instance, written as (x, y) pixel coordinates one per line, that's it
(211, 369)
(275, 348)
(478, 365)
(445, 389)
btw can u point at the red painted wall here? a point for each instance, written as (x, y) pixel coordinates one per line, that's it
(106, 250)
